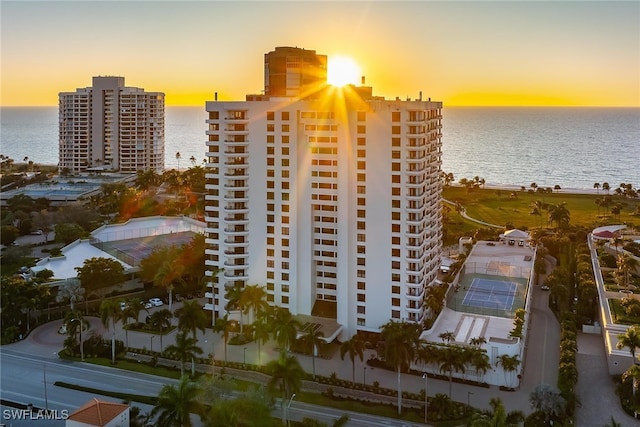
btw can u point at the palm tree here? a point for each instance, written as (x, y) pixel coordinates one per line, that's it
(176, 403)
(286, 375)
(312, 336)
(167, 275)
(481, 364)
(128, 312)
(509, 365)
(185, 348)
(451, 359)
(632, 373)
(401, 342)
(630, 339)
(253, 300)
(559, 214)
(447, 337)
(178, 157)
(191, 317)
(285, 328)
(110, 311)
(355, 347)
(233, 295)
(261, 332)
(547, 400)
(596, 185)
(606, 187)
(221, 326)
(497, 416)
(160, 320)
(626, 265)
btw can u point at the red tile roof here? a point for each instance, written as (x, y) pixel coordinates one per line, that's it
(98, 412)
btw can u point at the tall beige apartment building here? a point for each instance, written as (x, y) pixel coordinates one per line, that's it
(328, 197)
(109, 126)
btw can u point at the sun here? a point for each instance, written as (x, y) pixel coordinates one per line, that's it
(342, 70)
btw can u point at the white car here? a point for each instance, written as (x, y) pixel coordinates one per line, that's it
(156, 302)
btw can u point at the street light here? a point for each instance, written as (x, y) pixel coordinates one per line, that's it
(469, 393)
(244, 356)
(364, 375)
(213, 360)
(152, 337)
(426, 401)
(81, 345)
(286, 409)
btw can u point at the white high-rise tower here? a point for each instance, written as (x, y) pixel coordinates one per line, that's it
(331, 199)
(111, 127)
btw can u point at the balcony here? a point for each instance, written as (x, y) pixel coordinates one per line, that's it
(236, 208)
(233, 142)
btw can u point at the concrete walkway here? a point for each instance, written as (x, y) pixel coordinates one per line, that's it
(595, 387)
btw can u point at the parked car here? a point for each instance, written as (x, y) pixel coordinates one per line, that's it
(156, 302)
(179, 298)
(123, 305)
(544, 288)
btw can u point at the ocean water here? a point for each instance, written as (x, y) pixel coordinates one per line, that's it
(570, 147)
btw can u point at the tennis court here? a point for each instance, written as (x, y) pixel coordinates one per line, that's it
(490, 293)
(132, 251)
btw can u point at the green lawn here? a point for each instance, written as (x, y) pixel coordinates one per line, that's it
(499, 207)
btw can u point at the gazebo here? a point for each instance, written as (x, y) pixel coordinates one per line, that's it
(515, 237)
(607, 232)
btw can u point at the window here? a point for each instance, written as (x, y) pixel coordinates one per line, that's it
(285, 151)
(362, 177)
(362, 213)
(362, 129)
(361, 153)
(395, 154)
(271, 127)
(361, 285)
(285, 128)
(285, 139)
(270, 150)
(395, 116)
(395, 240)
(395, 252)
(270, 139)
(395, 204)
(395, 142)
(270, 115)
(285, 115)
(395, 314)
(285, 276)
(395, 265)
(362, 201)
(362, 116)
(269, 184)
(395, 179)
(395, 302)
(362, 165)
(395, 130)
(285, 162)
(395, 216)
(395, 289)
(285, 299)
(270, 161)
(395, 167)
(362, 141)
(361, 298)
(361, 309)
(395, 191)
(395, 228)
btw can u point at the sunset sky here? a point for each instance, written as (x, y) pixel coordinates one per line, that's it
(461, 53)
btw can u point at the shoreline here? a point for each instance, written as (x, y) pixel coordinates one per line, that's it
(518, 188)
(486, 186)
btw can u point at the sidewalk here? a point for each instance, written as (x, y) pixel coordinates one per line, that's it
(45, 341)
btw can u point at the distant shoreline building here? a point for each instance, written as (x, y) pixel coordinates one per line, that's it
(329, 197)
(111, 127)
